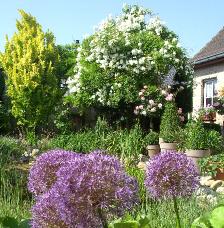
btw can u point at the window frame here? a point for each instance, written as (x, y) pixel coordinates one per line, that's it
(206, 81)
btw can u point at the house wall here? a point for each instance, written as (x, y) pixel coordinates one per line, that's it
(207, 72)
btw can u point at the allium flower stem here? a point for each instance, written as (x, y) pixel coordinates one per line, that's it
(176, 211)
(102, 218)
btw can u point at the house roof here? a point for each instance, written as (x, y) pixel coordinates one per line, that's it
(214, 49)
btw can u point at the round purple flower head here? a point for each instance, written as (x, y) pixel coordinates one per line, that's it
(171, 174)
(93, 188)
(46, 212)
(42, 174)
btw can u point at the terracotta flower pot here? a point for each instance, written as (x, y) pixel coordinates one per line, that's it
(211, 117)
(219, 171)
(220, 174)
(153, 150)
(168, 146)
(195, 155)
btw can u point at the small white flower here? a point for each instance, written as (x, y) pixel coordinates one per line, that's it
(153, 109)
(144, 113)
(160, 105)
(163, 92)
(140, 106)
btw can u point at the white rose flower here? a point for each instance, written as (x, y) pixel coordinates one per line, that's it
(153, 109)
(144, 113)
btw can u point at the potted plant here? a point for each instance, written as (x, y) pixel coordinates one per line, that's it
(207, 114)
(196, 143)
(170, 126)
(152, 143)
(213, 166)
(215, 142)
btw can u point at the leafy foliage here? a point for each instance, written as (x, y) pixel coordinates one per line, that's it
(209, 165)
(10, 150)
(65, 67)
(152, 138)
(170, 123)
(123, 55)
(214, 219)
(30, 61)
(197, 136)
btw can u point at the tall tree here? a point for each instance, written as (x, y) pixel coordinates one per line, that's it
(30, 61)
(67, 63)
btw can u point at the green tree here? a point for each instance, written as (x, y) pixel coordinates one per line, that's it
(30, 61)
(67, 63)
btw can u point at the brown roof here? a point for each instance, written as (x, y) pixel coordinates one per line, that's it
(213, 48)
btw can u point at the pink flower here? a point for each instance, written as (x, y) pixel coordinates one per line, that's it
(169, 97)
(180, 111)
(181, 118)
(137, 107)
(140, 106)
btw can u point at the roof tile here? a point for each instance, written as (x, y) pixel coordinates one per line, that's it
(213, 47)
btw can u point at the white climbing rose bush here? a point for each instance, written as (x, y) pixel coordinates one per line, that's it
(124, 55)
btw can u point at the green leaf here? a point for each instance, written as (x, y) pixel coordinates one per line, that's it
(144, 222)
(217, 217)
(200, 223)
(9, 222)
(126, 224)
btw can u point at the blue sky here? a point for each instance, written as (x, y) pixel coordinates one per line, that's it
(194, 21)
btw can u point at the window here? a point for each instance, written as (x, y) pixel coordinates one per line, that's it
(210, 92)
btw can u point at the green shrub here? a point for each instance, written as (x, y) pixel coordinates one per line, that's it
(196, 136)
(152, 138)
(215, 142)
(10, 149)
(170, 123)
(209, 165)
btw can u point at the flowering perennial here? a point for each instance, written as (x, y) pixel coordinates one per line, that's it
(42, 174)
(171, 174)
(88, 190)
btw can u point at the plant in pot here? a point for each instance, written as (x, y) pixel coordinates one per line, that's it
(196, 143)
(170, 126)
(215, 142)
(207, 114)
(213, 166)
(152, 143)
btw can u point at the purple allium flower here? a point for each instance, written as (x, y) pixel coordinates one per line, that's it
(171, 174)
(43, 173)
(89, 189)
(46, 211)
